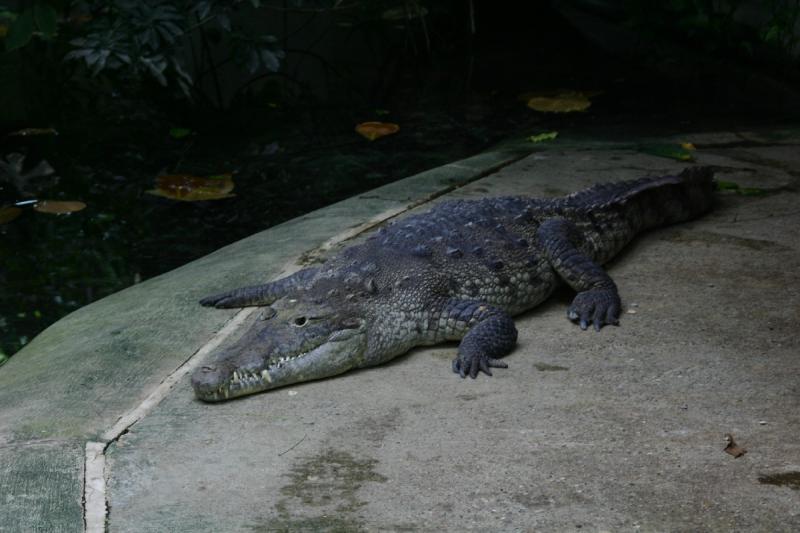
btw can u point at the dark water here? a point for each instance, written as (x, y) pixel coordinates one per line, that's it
(289, 159)
(53, 264)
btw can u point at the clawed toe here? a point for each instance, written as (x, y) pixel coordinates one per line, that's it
(598, 307)
(218, 301)
(464, 366)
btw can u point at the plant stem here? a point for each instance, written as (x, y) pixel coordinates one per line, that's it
(214, 74)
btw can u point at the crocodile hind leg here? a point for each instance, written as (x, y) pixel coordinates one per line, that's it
(260, 294)
(597, 301)
(486, 332)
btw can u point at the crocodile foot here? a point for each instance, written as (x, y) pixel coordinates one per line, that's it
(463, 365)
(596, 306)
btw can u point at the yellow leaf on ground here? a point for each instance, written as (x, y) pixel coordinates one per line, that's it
(58, 207)
(547, 136)
(188, 188)
(7, 214)
(563, 102)
(374, 130)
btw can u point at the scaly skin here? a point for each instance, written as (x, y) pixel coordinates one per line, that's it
(457, 272)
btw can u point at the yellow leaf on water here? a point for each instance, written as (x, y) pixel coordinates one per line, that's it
(58, 207)
(563, 102)
(375, 130)
(7, 214)
(188, 188)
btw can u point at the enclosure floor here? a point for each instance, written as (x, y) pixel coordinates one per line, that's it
(619, 430)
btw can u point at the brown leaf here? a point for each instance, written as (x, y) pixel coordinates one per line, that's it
(562, 102)
(58, 207)
(7, 214)
(188, 188)
(733, 448)
(375, 130)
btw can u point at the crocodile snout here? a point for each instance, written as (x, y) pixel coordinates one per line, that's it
(209, 378)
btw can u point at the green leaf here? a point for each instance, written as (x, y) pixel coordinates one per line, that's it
(727, 185)
(20, 31)
(672, 151)
(751, 191)
(46, 19)
(772, 34)
(180, 133)
(742, 191)
(546, 136)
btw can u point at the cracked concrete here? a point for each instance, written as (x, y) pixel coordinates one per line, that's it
(621, 430)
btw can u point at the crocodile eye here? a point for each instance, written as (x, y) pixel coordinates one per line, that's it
(300, 321)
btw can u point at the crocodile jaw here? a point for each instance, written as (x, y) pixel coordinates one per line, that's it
(342, 351)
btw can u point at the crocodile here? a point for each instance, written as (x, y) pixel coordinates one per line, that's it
(459, 271)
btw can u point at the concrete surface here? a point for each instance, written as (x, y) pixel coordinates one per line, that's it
(621, 430)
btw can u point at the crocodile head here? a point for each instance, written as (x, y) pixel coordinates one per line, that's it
(296, 339)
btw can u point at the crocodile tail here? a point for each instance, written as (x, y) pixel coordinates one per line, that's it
(653, 202)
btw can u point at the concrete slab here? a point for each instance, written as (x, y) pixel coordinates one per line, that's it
(618, 430)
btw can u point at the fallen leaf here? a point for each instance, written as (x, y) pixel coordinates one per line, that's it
(188, 188)
(563, 102)
(179, 133)
(726, 185)
(547, 136)
(30, 132)
(375, 130)
(7, 214)
(58, 207)
(672, 151)
(742, 191)
(79, 18)
(688, 146)
(733, 448)
(751, 191)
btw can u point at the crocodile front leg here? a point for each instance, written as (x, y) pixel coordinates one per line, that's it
(597, 301)
(486, 333)
(260, 294)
